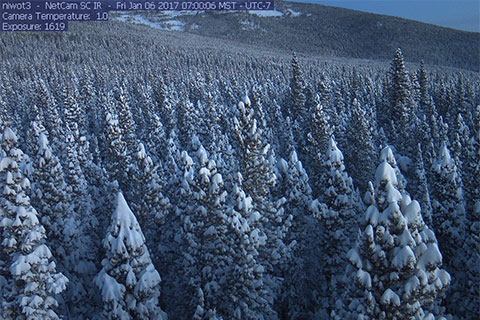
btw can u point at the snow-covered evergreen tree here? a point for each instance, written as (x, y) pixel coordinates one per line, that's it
(361, 149)
(117, 158)
(450, 223)
(340, 219)
(125, 120)
(298, 287)
(258, 180)
(147, 197)
(397, 260)
(296, 110)
(129, 282)
(28, 274)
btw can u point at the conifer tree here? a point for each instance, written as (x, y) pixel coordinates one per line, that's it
(259, 179)
(450, 223)
(125, 120)
(423, 189)
(361, 146)
(46, 102)
(297, 292)
(338, 212)
(148, 198)
(28, 269)
(397, 260)
(117, 158)
(296, 109)
(129, 283)
(400, 95)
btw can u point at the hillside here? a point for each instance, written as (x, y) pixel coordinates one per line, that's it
(150, 171)
(322, 30)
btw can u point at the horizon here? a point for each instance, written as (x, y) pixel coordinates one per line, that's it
(462, 15)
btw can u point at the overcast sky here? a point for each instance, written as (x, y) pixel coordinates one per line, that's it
(458, 14)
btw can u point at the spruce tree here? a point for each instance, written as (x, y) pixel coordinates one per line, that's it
(296, 109)
(397, 260)
(28, 269)
(129, 283)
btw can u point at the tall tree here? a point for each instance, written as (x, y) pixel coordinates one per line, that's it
(258, 180)
(397, 261)
(28, 269)
(129, 283)
(296, 109)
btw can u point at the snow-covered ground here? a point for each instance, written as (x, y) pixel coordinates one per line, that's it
(172, 25)
(266, 13)
(293, 13)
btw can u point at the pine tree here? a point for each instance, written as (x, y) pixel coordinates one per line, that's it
(188, 119)
(397, 260)
(296, 109)
(46, 102)
(424, 97)
(450, 223)
(400, 95)
(148, 198)
(361, 146)
(50, 195)
(297, 293)
(321, 129)
(117, 158)
(338, 212)
(259, 179)
(423, 188)
(28, 269)
(129, 283)
(125, 120)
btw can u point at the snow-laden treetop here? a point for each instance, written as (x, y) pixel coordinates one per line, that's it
(385, 174)
(444, 159)
(125, 227)
(387, 155)
(334, 155)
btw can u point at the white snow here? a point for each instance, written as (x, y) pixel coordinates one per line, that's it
(404, 258)
(57, 284)
(171, 25)
(9, 135)
(282, 165)
(385, 174)
(372, 215)
(7, 162)
(334, 154)
(246, 101)
(364, 279)
(389, 297)
(293, 13)
(111, 289)
(42, 141)
(20, 266)
(387, 155)
(412, 213)
(210, 231)
(128, 230)
(202, 155)
(249, 25)
(217, 183)
(354, 258)
(266, 13)
(444, 159)
(411, 286)
(431, 257)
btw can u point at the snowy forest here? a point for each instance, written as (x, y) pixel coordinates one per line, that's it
(148, 179)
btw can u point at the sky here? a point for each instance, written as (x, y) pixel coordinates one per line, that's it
(457, 14)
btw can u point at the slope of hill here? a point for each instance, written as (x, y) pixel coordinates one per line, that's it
(329, 31)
